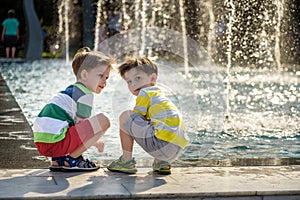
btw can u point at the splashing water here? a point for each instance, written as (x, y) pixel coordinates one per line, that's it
(279, 4)
(263, 106)
(229, 52)
(63, 24)
(264, 110)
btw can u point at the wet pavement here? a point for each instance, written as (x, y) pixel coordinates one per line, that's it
(16, 139)
(24, 174)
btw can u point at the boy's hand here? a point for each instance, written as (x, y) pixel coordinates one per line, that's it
(100, 146)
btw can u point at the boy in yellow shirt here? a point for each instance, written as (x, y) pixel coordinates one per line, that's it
(155, 123)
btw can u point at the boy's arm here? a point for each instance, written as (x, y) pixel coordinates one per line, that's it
(142, 104)
(84, 107)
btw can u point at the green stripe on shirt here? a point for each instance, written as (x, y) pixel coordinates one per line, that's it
(83, 110)
(49, 137)
(56, 112)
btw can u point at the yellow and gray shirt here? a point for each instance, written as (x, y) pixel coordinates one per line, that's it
(160, 111)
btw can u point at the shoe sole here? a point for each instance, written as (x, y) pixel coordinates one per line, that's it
(162, 171)
(55, 168)
(131, 171)
(77, 169)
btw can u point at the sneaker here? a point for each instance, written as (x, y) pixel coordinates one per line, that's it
(162, 167)
(120, 165)
(79, 165)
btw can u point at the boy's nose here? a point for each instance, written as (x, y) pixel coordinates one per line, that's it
(103, 79)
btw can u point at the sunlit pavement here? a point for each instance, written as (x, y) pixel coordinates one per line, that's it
(23, 176)
(267, 183)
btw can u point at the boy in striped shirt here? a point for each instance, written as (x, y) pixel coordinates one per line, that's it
(64, 129)
(155, 123)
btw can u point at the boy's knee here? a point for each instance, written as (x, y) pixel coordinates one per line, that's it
(103, 120)
(124, 117)
(100, 122)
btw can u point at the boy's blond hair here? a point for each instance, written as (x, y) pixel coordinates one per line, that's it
(144, 64)
(87, 59)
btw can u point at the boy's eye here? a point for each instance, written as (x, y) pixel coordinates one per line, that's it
(137, 78)
(129, 82)
(101, 76)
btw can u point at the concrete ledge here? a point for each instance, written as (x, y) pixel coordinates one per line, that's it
(16, 137)
(261, 183)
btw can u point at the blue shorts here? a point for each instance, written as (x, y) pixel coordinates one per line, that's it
(143, 133)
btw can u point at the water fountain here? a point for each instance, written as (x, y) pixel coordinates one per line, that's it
(279, 4)
(63, 25)
(231, 6)
(247, 47)
(236, 74)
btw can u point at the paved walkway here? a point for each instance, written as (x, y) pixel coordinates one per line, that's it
(17, 147)
(23, 176)
(239, 183)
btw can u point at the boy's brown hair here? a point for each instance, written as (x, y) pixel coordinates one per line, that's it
(144, 64)
(87, 59)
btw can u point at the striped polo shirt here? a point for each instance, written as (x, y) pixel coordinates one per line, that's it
(160, 111)
(62, 112)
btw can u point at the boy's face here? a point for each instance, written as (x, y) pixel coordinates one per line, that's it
(137, 79)
(95, 79)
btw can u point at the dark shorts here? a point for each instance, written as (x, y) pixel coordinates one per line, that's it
(10, 41)
(75, 137)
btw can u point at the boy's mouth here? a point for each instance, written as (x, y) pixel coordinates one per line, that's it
(138, 90)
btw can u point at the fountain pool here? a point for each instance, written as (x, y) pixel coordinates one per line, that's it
(245, 108)
(264, 109)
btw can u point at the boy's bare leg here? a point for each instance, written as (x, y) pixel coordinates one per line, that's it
(100, 124)
(127, 145)
(126, 139)
(79, 151)
(83, 148)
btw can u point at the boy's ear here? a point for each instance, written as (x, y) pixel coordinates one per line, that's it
(153, 78)
(83, 74)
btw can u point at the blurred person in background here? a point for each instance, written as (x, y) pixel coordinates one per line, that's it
(10, 34)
